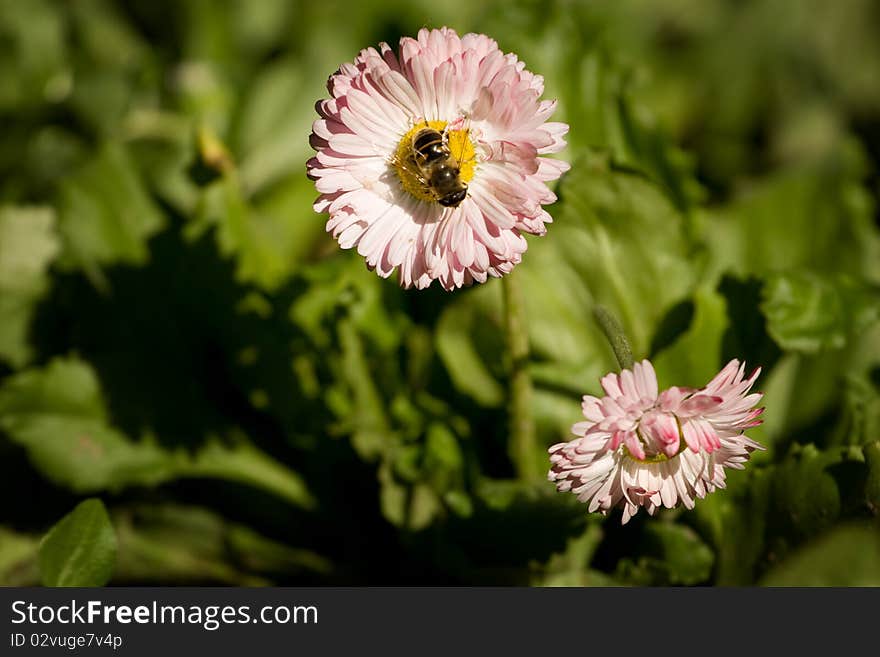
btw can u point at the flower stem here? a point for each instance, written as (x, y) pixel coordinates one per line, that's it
(523, 443)
(616, 337)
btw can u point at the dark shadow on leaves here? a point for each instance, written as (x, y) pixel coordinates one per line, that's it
(746, 337)
(166, 340)
(498, 546)
(674, 323)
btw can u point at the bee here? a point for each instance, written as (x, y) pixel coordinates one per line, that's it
(436, 168)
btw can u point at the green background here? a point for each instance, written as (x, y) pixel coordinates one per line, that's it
(180, 338)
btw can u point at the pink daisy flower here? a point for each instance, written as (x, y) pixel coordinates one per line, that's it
(640, 448)
(430, 161)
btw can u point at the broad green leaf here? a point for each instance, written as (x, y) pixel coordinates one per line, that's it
(848, 555)
(106, 35)
(558, 306)
(57, 414)
(274, 124)
(625, 241)
(260, 554)
(693, 359)
(291, 225)
(244, 463)
(28, 245)
(802, 389)
(423, 506)
(105, 213)
(746, 337)
(648, 148)
(163, 144)
(807, 312)
(80, 550)
(775, 105)
(816, 217)
(191, 545)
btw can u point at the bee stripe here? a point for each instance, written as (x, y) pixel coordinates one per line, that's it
(429, 144)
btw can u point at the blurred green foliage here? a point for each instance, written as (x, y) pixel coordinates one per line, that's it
(180, 337)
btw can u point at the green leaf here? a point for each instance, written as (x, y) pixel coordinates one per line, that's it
(800, 389)
(80, 550)
(693, 359)
(57, 414)
(274, 124)
(626, 244)
(162, 543)
(260, 554)
(28, 245)
(815, 217)
(807, 312)
(244, 463)
(650, 149)
(106, 215)
(849, 555)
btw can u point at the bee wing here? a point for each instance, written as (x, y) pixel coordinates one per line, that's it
(409, 168)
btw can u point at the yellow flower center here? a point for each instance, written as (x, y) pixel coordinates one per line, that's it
(412, 176)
